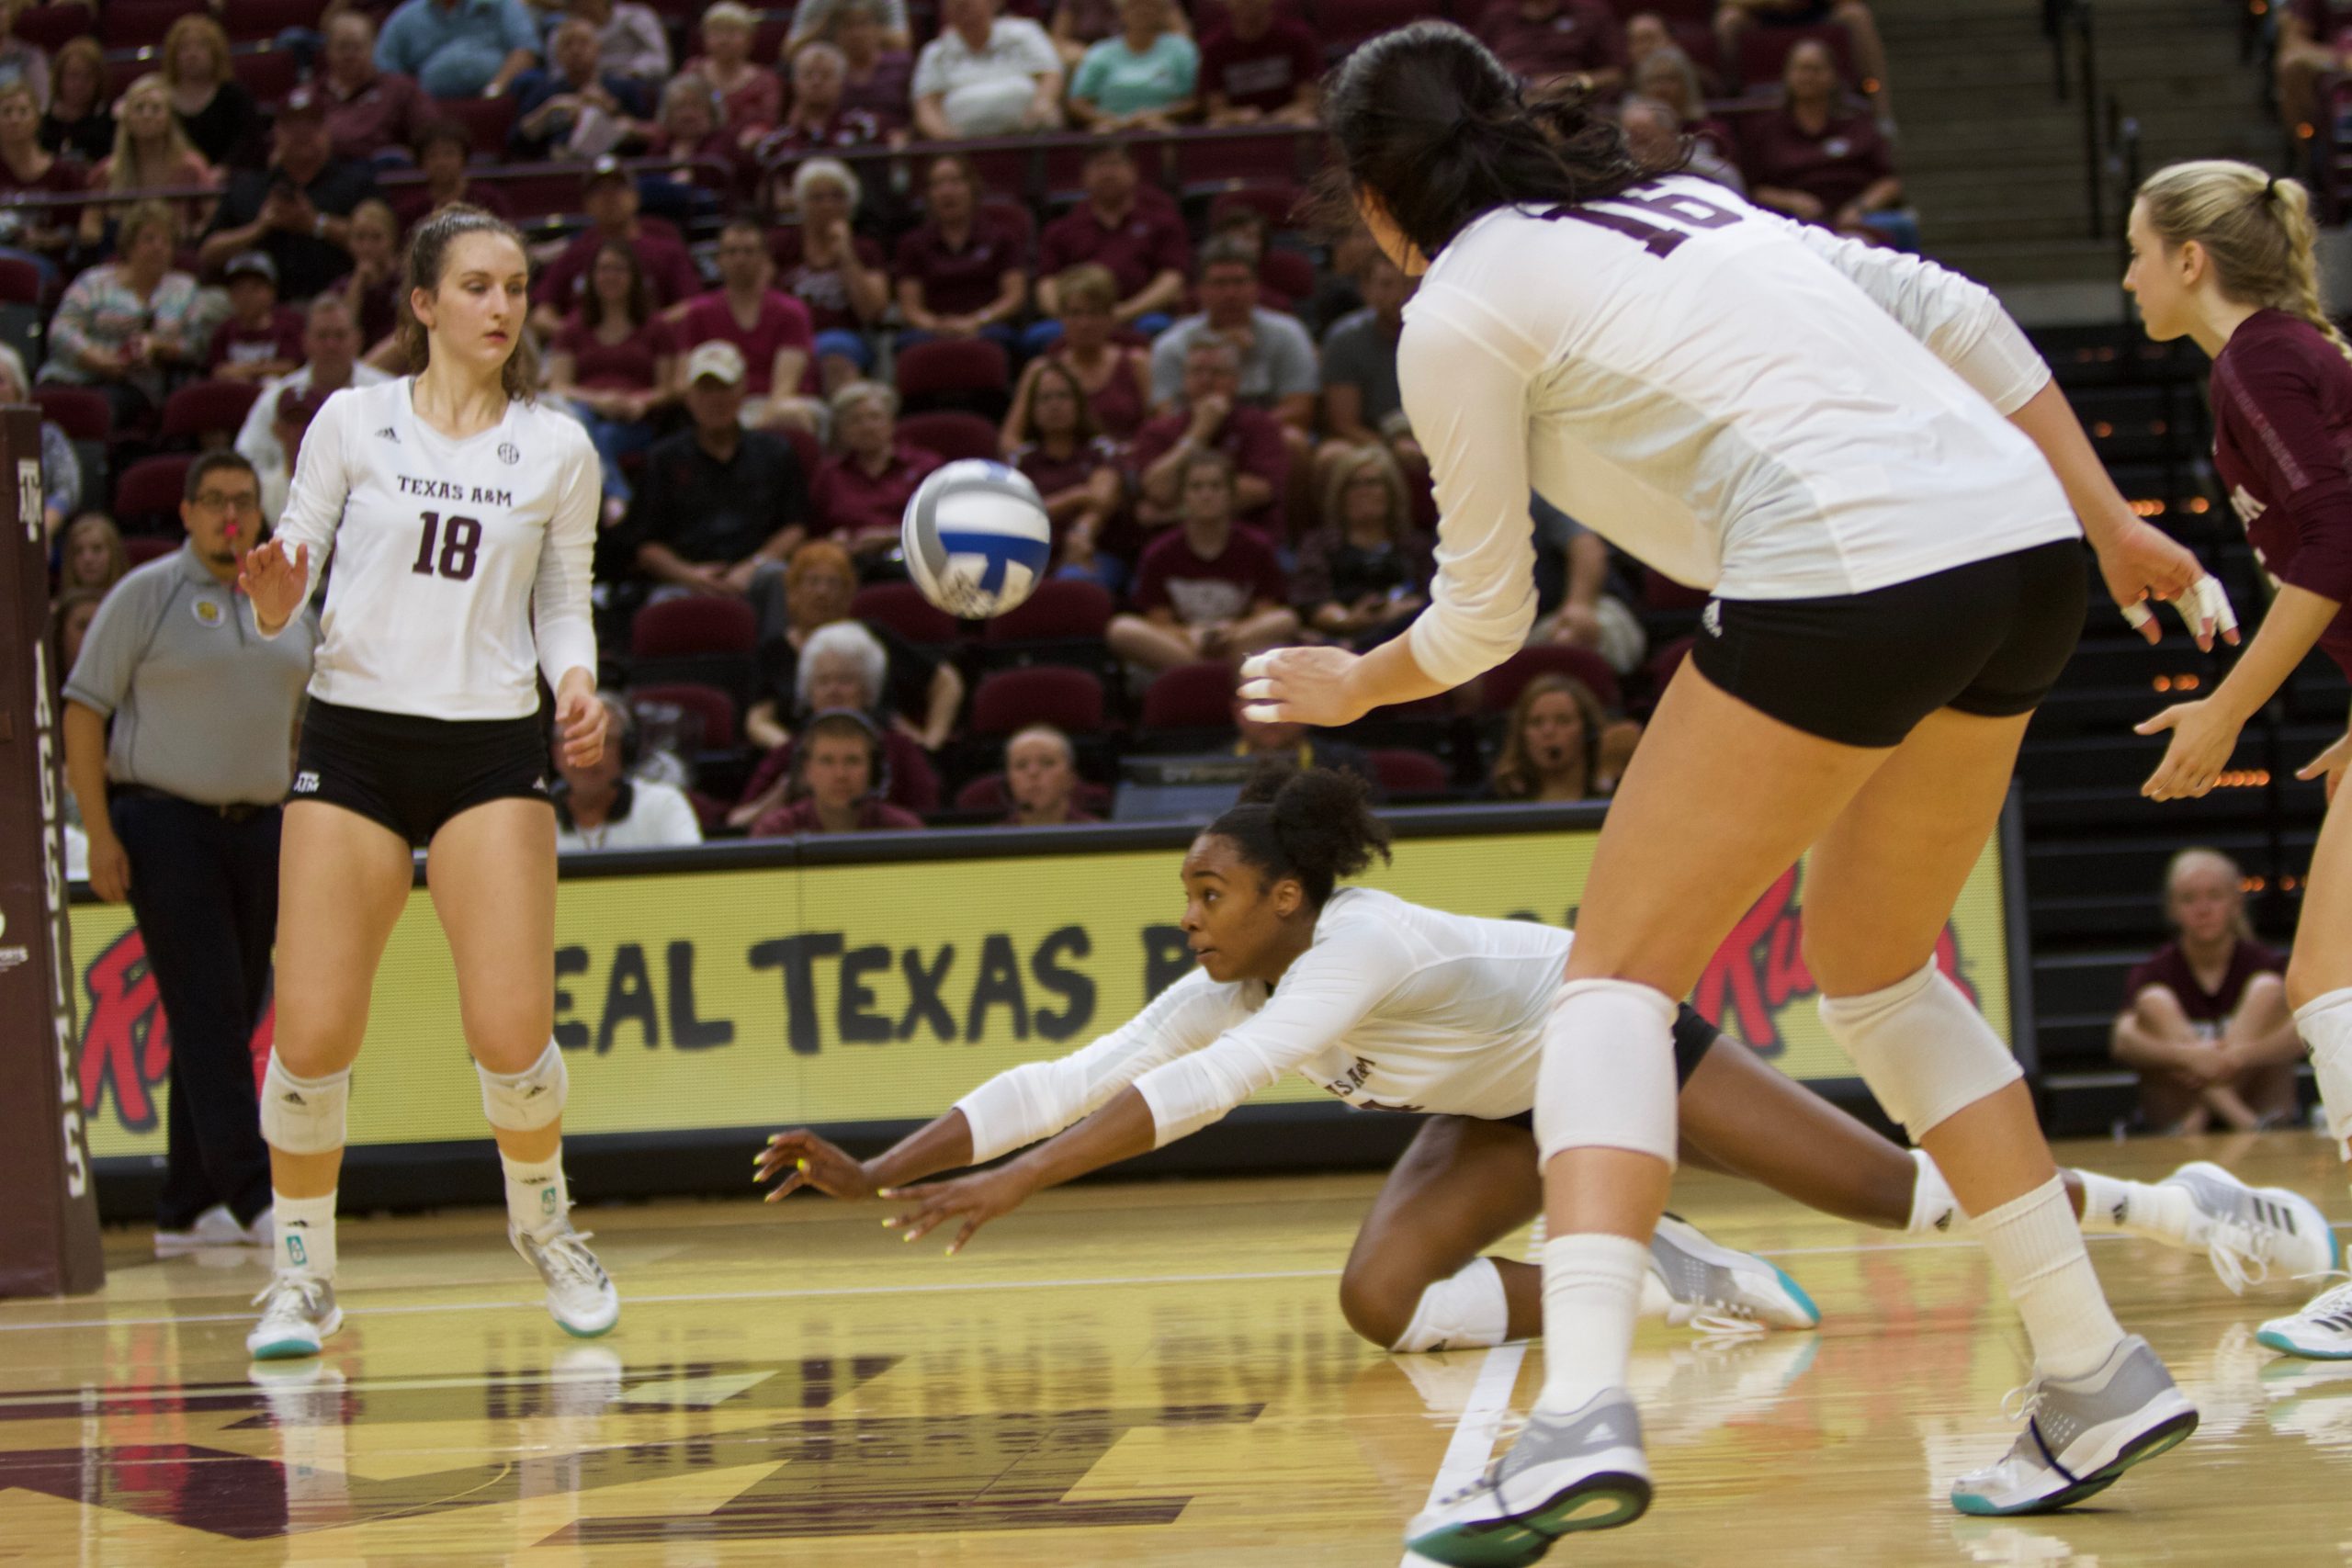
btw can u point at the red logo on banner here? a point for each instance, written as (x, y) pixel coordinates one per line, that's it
(126, 1042)
(1761, 967)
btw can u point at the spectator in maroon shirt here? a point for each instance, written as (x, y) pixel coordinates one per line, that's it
(1142, 244)
(863, 489)
(768, 326)
(1545, 41)
(1209, 416)
(1260, 67)
(616, 363)
(959, 273)
(876, 78)
(2205, 1021)
(441, 148)
(1820, 158)
(835, 778)
(1041, 776)
(368, 111)
(818, 119)
(1058, 445)
(611, 200)
(1208, 590)
(1734, 19)
(41, 234)
(1364, 572)
(261, 339)
(1116, 374)
(751, 96)
(2315, 40)
(833, 271)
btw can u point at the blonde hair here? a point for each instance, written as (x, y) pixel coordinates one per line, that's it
(1340, 474)
(124, 171)
(143, 216)
(2257, 231)
(2240, 927)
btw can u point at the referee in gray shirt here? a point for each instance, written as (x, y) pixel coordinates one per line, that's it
(181, 802)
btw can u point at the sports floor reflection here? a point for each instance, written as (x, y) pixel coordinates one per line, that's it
(1119, 1374)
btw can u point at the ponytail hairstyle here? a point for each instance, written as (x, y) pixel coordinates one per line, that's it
(1312, 824)
(1432, 123)
(428, 258)
(2257, 231)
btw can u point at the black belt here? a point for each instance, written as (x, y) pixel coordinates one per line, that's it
(235, 811)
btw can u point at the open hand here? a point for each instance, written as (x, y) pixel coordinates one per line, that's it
(2203, 736)
(804, 1160)
(975, 1200)
(275, 582)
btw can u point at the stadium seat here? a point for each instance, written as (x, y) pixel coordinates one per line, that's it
(1006, 701)
(260, 21)
(147, 498)
(139, 552)
(1410, 772)
(900, 607)
(714, 709)
(951, 435)
(52, 27)
(486, 120)
(203, 407)
(268, 73)
(1061, 609)
(1190, 696)
(81, 414)
(1504, 682)
(968, 374)
(698, 625)
(139, 24)
(20, 282)
(547, 194)
(1287, 272)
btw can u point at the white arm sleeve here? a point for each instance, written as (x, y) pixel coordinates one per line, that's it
(1957, 318)
(1464, 373)
(1037, 1099)
(1327, 993)
(321, 485)
(560, 609)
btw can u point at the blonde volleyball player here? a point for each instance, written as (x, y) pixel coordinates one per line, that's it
(2222, 253)
(1392, 1006)
(1814, 429)
(461, 514)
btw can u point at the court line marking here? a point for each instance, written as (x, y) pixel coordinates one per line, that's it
(1474, 1434)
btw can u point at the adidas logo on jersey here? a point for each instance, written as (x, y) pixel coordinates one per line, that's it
(306, 784)
(388, 433)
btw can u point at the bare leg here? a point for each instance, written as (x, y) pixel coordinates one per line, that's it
(493, 875)
(1141, 641)
(1763, 1125)
(1462, 1186)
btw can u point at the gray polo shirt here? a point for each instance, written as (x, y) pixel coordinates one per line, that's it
(1359, 353)
(1279, 363)
(203, 708)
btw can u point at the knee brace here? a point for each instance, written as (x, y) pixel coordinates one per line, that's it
(303, 1116)
(1922, 1049)
(1460, 1314)
(528, 1100)
(1608, 1077)
(2325, 1024)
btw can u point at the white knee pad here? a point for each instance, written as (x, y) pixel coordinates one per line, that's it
(303, 1116)
(1608, 1077)
(2325, 1024)
(528, 1100)
(1922, 1049)
(1460, 1314)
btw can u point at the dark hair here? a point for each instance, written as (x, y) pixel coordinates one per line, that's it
(1226, 250)
(438, 132)
(428, 257)
(1314, 824)
(1431, 123)
(211, 463)
(640, 298)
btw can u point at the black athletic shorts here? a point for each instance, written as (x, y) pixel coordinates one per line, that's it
(1693, 1037)
(413, 773)
(1862, 669)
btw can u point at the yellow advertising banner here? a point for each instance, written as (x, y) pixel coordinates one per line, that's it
(830, 994)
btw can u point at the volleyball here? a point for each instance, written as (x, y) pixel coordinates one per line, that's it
(976, 538)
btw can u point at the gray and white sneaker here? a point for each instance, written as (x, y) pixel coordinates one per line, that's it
(2248, 1230)
(580, 1297)
(2081, 1434)
(2321, 1332)
(1585, 1470)
(214, 1227)
(298, 1311)
(1719, 1291)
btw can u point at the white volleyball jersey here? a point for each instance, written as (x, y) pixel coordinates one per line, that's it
(1748, 404)
(1393, 1007)
(460, 566)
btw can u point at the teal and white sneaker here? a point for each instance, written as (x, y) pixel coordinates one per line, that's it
(2321, 1332)
(2248, 1232)
(2081, 1434)
(1585, 1470)
(298, 1311)
(580, 1297)
(1717, 1290)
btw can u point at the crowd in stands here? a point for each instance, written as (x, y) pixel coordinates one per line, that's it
(778, 295)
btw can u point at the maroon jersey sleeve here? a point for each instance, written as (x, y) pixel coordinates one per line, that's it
(2275, 397)
(2162, 968)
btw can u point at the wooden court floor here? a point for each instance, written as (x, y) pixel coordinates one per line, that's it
(1130, 1375)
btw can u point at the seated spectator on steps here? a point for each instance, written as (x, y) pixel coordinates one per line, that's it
(1115, 374)
(460, 49)
(1060, 450)
(768, 327)
(1142, 244)
(960, 273)
(986, 75)
(1364, 573)
(1559, 744)
(834, 272)
(1208, 589)
(600, 807)
(916, 696)
(1734, 19)
(616, 363)
(1209, 416)
(1261, 67)
(1041, 777)
(1546, 42)
(1278, 368)
(863, 489)
(609, 197)
(1820, 159)
(718, 507)
(369, 111)
(261, 339)
(834, 783)
(2205, 1021)
(1146, 76)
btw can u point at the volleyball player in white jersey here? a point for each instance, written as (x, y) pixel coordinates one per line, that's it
(461, 514)
(1391, 1006)
(1814, 430)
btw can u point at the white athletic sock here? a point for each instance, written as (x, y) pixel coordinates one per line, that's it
(1934, 1210)
(2153, 1212)
(1592, 1288)
(305, 1235)
(2325, 1024)
(2036, 1247)
(537, 1195)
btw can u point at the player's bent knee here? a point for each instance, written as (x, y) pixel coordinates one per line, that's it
(528, 1100)
(1378, 1303)
(303, 1115)
(1922, 1048)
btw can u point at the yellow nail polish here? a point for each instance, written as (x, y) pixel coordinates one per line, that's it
(908, 1237)
(800, 1165)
